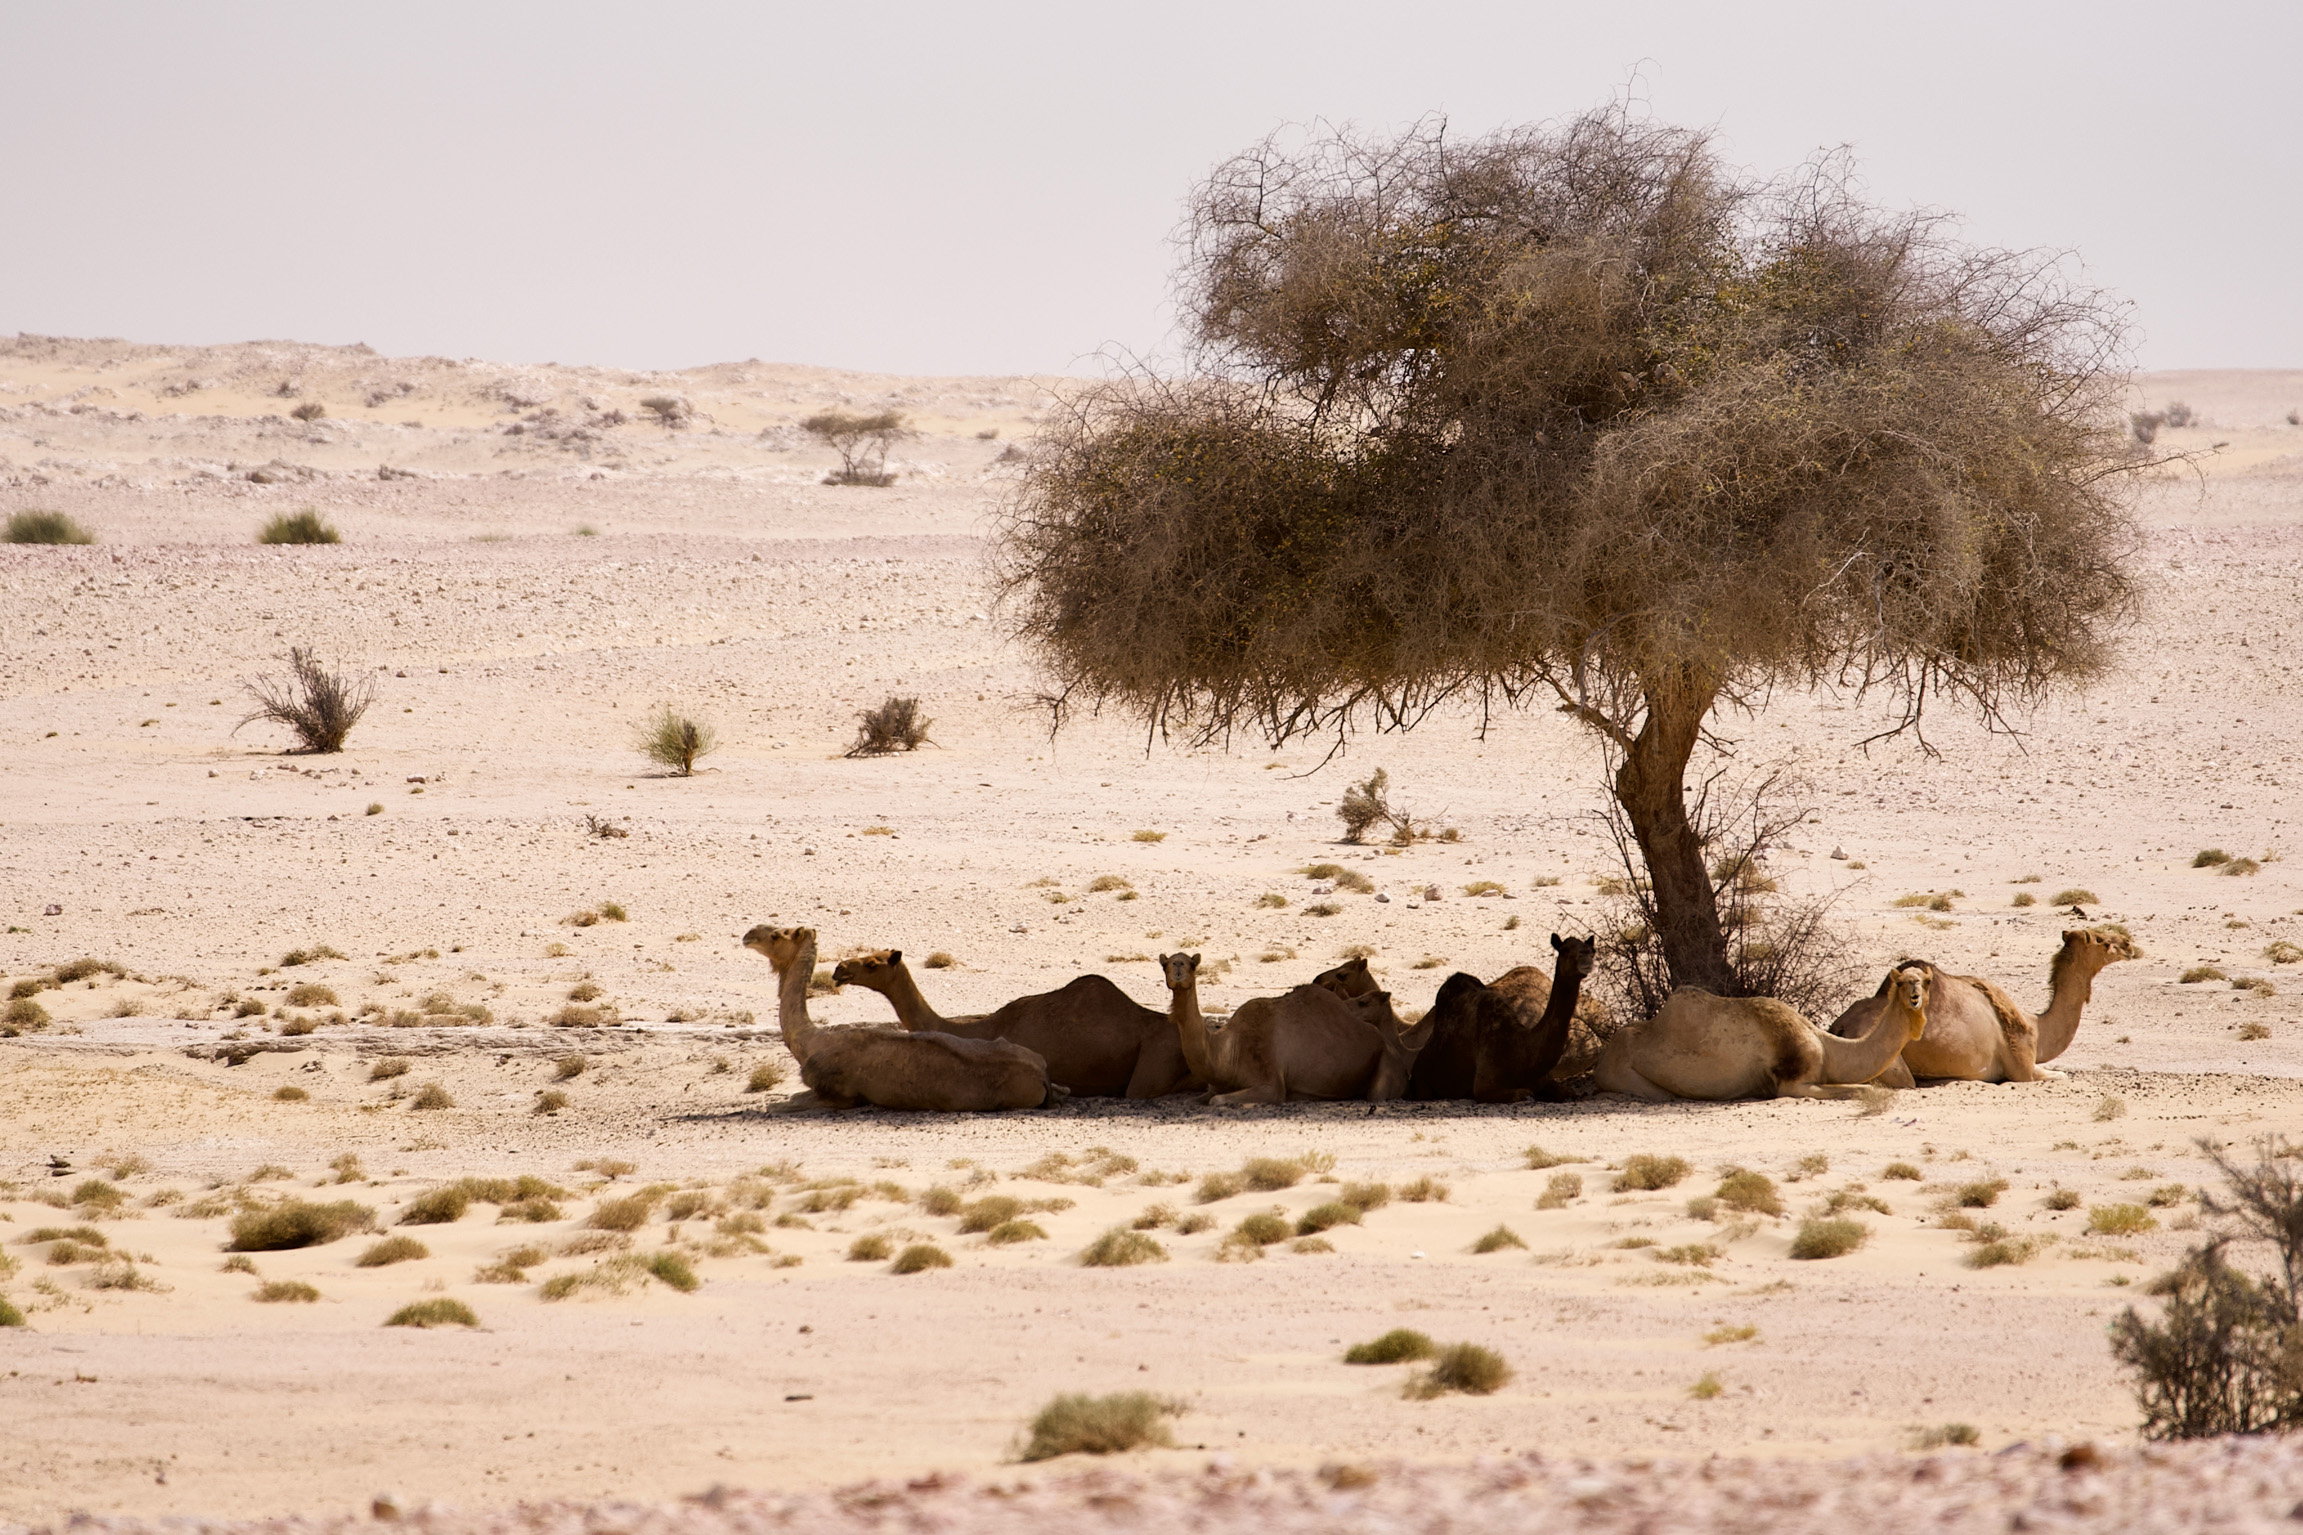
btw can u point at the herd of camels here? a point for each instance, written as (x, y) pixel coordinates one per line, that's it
(1337, 1037)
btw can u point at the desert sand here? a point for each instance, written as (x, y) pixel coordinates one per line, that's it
(531, 564)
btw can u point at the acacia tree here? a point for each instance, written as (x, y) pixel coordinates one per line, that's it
(1573, 415)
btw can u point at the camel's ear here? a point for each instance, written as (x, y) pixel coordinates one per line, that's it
(895, 956)
(2073, 934)
(1556, 945)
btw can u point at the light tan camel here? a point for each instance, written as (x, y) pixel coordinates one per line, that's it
(1701, 1045)
(1309, 1043)
(890, 1068)
(1098, 1041)
(1976, 1033)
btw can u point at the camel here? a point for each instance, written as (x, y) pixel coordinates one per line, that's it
(1307, 1044)
(1098, 1041)
(890, 1068)
(1499, 1043)
(1701, 1045)
(1976, 1033)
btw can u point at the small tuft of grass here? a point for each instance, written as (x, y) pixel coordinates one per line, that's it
(432, 1096)
(1979, 1195)
(297, 1223)
(1646, 1172)
(939, 961)
(304, 527)
(2209, 858)
(2241, 866)
(1464, 1367)
(2198, 973)
(1743, 1332)
(1099, 1425)
(1706, 1388)
(37, 527)
(1946, 1434)
(290, 1094)
(398, 1249)
(2024, 898)
(272, 1291)
(1902, 1170)
(941, 1199)
(895, 726)
(2062, 1199)
(1323, 909)
(1148, 836)
(1559, 1191)
(627, 1214)
(437, 1311)
(1497, 1240)
(1007, 1233)
(1753, 1193)
(1326, 1217)
(1828, 1237)
(1364, 1197)
(1122, 1248)
(764, 1078)
(2075, 896)
(1425, 1190)
(2120, 1220)
(389, 1067)
(1271, 898)
(2111, 1107)
(1402, 1345)
(1483, 887)
(550, 1100)
(674, 741)
(919, 1257)
(2249, 1032)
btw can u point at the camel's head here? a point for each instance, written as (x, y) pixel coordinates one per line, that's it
(1181, 971)
(1576, 956)
(1347, 980)
(2095, 947)
(1909, 988)
(873, 970)
(780, 946)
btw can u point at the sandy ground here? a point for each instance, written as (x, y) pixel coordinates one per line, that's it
(515, 653)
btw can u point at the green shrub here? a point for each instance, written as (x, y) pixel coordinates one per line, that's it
(1980, 1195)
(1121, 1248)
(304, 527)
(674, 741)
(1464, 1367)
(1828, 1237)
(985, 1213)
(34, 527)
(2119, 1220)
(1753, 1193)
(1324, 1217)
(1259, 1230)
(1402, 1345)
(274, 1290)
(1217, 1186)
(437, 1207)
(438, 1311)
(673, 1269)
(1646, 1172)
(391, 1250)
(1365, 1196)
(1497, 1240)
(1099, 1425)
(627, 1214)
(9, 1315)
(298, 1223)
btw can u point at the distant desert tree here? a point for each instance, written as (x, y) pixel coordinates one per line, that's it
(46, 528)
(1573, 414)
(862, 443)
(318, 705)
(675, 741)
(669, 409)
(895, 726)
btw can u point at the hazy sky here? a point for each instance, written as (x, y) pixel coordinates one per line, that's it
(993, 187)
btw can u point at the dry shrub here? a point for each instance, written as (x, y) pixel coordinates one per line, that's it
(1217, 1186)
(1366, 806)
(1753, 1193)
(1259, 1230)
(2223, 1355)
(1121, 1248)
(274, 1290)
(1424, 1190)
(304, 527)
(311, 994)
(318, 706)
(398, 1249)
(2075, 896)
(1560, 1190)
(1980, 1195)
(1497, 1240)
(431, 1096)
(919, 1257)
(1828, 1237)
(895, 726)
(2121, 1220)
(940, 1199)
(36, 527)
(297, 1223)
(437, 1311)
(627, 1214)
(1464, 1367)
(1007, 1233)
(1649, 1172)
(2061, 1199)
(672, 740)
(765, 1077)
(1402, 1345)
(1365, 1196)
(1099, 1425)
(389, 1067)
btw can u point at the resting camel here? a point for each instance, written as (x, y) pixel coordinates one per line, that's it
(888, 1067)
(1701, 1045)
(1498, 1043)
(1976, 1033)
(1097, 1041)
(1309, 1043)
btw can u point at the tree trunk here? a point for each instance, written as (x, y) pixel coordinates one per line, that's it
(1651, 786)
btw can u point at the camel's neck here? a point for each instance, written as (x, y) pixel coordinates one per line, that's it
(912, 1009)
(2060, 1022)
(1191, 1031)
(1859, 1060)
(792, 1004)
(1566, 991)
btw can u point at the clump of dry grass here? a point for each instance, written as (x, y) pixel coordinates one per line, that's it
(304, 527)
(919, 1257)
(298, 1223)
(1121, 1248)
(872, 1247)
(1497, 1240)
(1402, 1345)
(289, 1093)
(1828, 1237)
(390, 1250)
(1979, 1195)
(1099, 1425)
(295, 1290)
(550, 1100)
(1007, 1233)
(2110, 1107)
(1743, 1332)
(432, 1096)
(2209, 858)
(1995, 1248)
(629, 1213)
(318, 706)
(1364, 1197)
(2119, 1220)
(1424, 1190)
(765, 1077)
(41, 527)
(1646, 1172)
(435, 1311)
(895, 726)
(389, 1067)
(1946, 1434)
(1559, 1191)
(2075, 896)
(1464, 1367)
(1753, 1193)
(672, 740)
(1258, 1230)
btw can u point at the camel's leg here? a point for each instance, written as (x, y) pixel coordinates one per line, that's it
(2021, 1056)
(1626, 1079)
(1896, 1075)
(1265, 1093)
(1152, 1076)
